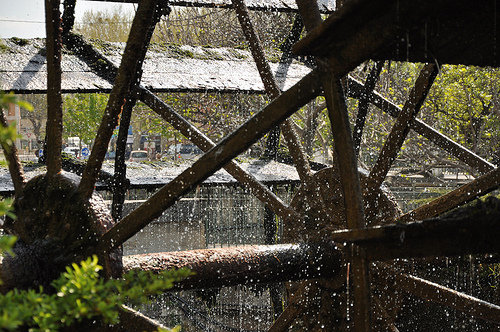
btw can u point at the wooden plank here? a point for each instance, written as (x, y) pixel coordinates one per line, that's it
(406, 30)
(346, 158)
(54, 96)
(468, 230)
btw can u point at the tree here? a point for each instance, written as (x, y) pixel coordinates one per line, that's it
(38, 115)
(83, 113)
(110, 25)
(81, 294)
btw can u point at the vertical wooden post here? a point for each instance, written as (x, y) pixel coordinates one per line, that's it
(344, 147)
(54, 97)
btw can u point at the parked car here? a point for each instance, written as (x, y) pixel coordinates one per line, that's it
(183, 151)
(138, 156)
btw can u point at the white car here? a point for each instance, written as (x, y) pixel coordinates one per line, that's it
(72, 150)
(138, 156)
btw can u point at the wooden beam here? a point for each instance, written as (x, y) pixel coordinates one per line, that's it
(54, 96)
(232, 266)
(369, 85)
(349, 177)
(406, 30)
(468, 230)
(148, 14)
(286, 6)
(273, 90)
(466, 193)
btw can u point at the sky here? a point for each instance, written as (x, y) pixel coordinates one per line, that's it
(25, 18)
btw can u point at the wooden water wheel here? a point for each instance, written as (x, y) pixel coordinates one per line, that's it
(359, 31)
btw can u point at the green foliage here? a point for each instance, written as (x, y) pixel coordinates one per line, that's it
(7, 137)
(83, 114)
(110, 25)
(81, 294)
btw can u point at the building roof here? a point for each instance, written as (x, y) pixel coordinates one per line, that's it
(167, 68)
(147, 176)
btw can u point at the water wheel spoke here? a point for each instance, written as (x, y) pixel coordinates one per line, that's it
(203, 142)
(273, 138)
(120, 183)
(356, 90)
(15, 168)
(344, 147)
(230, 147)
(273, 91)
(401, 128)
(363, 104)
(434, 292)
(54, 96)
(128, 75)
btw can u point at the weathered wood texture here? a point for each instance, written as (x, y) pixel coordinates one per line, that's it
(357, 90)
(54, 96)
(349, 177)
(203, 142)
(244, 265)
(443, 31)
(468, 230)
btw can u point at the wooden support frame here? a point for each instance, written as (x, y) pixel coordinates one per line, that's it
(369, 85)
(476, 229)
(54, 96)
(203, 142)
(345, 149)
